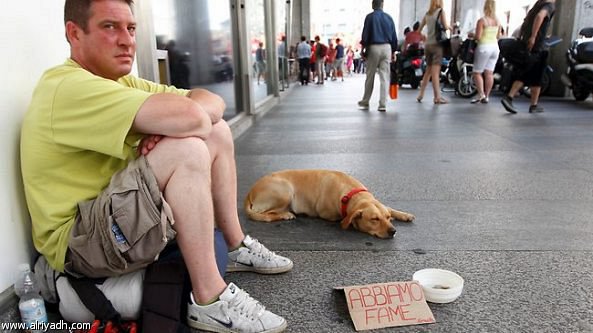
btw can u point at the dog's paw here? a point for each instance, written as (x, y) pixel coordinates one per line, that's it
(288, 216)
(409, 218)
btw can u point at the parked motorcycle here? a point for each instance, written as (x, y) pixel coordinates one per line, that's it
(457, 72)
(579, 58)
(411, 66)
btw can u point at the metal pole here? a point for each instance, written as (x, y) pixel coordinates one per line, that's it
(289, 41)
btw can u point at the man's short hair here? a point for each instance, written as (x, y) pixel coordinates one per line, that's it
(377, 4)
(79, 12)
(303, 38)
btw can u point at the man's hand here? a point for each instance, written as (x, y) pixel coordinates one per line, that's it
(148, 143)
(211, 103)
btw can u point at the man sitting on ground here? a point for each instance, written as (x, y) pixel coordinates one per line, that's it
(115, 166)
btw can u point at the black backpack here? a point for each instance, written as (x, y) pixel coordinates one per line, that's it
(165, 296)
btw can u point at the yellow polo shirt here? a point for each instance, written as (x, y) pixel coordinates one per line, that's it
(75, 135)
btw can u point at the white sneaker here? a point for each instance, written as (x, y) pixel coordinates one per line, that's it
(254, 257)
(235, 311)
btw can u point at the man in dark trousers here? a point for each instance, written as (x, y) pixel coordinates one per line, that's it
(533, 33)
(379, 41)
(304, 56)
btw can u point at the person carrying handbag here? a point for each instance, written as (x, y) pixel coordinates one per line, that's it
(533, 33)
(433, 50)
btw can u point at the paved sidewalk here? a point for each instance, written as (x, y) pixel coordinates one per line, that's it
(506, 201)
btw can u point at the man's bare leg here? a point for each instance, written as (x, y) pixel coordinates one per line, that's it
(252, 256)
(517, 85)
(182, 170)
(535, 92)
(224, 183)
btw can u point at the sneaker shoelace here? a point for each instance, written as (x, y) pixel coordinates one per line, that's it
(260, 250)
(247, 305)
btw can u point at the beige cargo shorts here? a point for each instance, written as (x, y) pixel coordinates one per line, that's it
(122, 230)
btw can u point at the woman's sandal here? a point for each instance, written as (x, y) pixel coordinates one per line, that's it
(440, 100)
(482, 100)
(419, 99)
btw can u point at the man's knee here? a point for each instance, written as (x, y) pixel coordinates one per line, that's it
(174, 152)
(222, 136)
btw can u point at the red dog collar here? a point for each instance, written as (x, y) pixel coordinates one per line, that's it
(346, 199)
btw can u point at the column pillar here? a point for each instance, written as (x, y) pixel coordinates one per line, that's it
(571, 16)
(410, 11)
(301, 19)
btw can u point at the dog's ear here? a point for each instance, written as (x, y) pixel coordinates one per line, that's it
(347, 221)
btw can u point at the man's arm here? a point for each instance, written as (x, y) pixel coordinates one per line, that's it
(537, 23)
(211, 103)
(365, 38)
(393, 37)
(172, 115)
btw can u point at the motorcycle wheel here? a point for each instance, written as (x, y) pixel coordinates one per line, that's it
(466, 87)
(580, 92)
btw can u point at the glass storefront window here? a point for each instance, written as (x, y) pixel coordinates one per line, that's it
(198, 39)
(259, 61)
(282, 46)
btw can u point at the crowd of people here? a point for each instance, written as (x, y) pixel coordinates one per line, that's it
(319, 62)
(378, 46)
(488, 30)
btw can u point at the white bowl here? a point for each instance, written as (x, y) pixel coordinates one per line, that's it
(439, 285)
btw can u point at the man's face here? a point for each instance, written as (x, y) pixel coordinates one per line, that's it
(108, 47)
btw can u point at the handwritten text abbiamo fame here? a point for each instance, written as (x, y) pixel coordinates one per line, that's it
(387, 305)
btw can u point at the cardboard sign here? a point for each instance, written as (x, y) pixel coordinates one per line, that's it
(387, 305)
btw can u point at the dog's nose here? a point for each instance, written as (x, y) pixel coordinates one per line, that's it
(391, 232)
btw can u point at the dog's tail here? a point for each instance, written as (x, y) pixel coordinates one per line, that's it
(251, 212)
(257, 212)
(248, 206)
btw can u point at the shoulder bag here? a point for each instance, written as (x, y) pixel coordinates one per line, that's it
(440, 31)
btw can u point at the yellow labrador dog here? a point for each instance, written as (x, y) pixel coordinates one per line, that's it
(330, 195)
